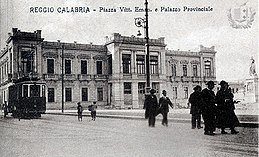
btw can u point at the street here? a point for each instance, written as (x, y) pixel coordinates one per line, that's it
(64, 136)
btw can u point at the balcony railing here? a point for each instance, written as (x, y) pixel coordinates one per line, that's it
(51, 76)
(83, 77)
(175, 78)
(154, 76)
(127, 76)
(69, 76)
(100, 77)
(196, 79)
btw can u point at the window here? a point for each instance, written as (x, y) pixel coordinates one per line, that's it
(207, 68)
(127, 88)
(154, 64)
(140, 64)
(50, 66)
(174, 92)
(155, 86)
(25, 90)
(51, 95)
(126, 63)
(67, 66)
(68, 94)
(99, 67)
(195, 70)
(34, 90)
(27, 61)
(185, 92)
(141, 87)
(83, 67)
(84, 94)
(99, 94)
(173, 69)
(184, 70)
(43, 90)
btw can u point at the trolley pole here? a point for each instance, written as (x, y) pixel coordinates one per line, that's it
(62, 77)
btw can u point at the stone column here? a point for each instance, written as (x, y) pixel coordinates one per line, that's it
(135, 95)
(118, 95)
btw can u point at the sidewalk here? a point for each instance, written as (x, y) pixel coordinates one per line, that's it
(176, 115)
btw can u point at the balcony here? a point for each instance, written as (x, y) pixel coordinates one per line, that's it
(142, 76)
(154, 76)
(127, 76)
(196, 79)
(51, 76)
(209, 78)
(100, 77)
(186, 79)
(70, 77)
(175, 78)
(84, 77)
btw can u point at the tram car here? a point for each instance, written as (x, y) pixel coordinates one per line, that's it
(27, 99)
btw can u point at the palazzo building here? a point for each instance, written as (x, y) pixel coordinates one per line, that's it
(113, 74)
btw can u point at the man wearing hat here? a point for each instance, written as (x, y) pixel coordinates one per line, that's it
(196, 102)
(164, 103)
(226, 117)
(209, 108)
(151, 106)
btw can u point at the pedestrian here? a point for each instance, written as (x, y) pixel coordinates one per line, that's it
(208, 108)
(226, 117)
(93, 111)
(164, 101)
(151, 107)
(79, 111)
(196, 102)
(5, 108)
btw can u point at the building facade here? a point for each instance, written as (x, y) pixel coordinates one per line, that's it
(113, 74)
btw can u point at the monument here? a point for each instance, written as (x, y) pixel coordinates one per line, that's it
(251, 84)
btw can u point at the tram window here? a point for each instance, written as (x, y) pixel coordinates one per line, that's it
(25, 90)
(35, 90)
(43, 90)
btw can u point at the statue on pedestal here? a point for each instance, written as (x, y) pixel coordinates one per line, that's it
(252, 71)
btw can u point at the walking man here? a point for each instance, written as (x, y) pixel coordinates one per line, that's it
(164, 101)
(196, 101)
(151, 106)
(93, 111)
(79, 111)
(209, 108)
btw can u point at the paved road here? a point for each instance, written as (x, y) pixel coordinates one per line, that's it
(64, 136)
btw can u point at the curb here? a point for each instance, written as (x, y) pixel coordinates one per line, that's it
(177, 120)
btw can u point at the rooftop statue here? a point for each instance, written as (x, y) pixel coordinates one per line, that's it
(252, 71)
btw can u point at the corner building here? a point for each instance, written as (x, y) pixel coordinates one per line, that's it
(113, 74)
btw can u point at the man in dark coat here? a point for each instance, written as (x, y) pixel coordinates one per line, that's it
(151, 106)
(196, 101)
(79, 111)
(209, 108)
(164, 101)
(226, 117)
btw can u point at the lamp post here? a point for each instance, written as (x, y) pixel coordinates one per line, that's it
(143, 22)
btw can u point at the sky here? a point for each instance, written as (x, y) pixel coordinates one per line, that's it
(184, 30)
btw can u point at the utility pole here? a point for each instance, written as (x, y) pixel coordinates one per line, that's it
(62, 76)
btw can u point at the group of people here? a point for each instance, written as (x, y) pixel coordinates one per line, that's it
(217, 110)
(153, 107)
(91, 108)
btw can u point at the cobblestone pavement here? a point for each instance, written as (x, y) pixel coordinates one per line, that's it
(64, 136)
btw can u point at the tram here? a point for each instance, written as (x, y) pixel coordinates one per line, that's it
(27, 99)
